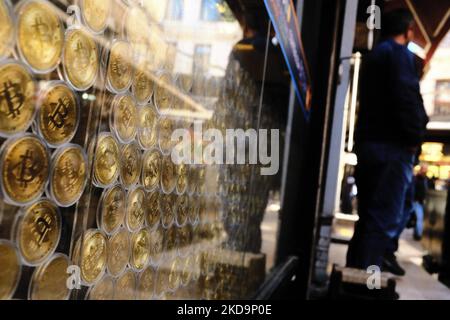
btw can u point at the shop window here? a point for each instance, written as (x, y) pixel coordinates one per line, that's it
(442, 99)
(175, 10)
(216, 10)
(91, 180)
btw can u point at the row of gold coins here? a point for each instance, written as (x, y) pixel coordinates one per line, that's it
(181, 277)
(133, 252)
(150, 169)
(27, 168)
(25, 160)
(42, 45)
(136, 207)
(36, 235)
(117, 253)
(167, 217)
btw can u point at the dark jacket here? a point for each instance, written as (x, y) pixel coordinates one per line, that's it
(391, 106)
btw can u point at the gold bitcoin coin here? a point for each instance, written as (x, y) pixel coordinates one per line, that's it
(58, 115)
(131, 164)
(181, 210)
(148, 125)
(17, 107)
(49, 281)
(111, 211)
(151, 168)
(140, 249)
(80, 58)
(6, 30)
(124, 118)
(95, 14)
(135, 209)
(69, 175)
(10, 270)
(156, 245)
(125, 288)
(166, 206)
(102, 290)
(106, 161)
(118, 252)
(165, 130)
(25, 169)
(119, 72)
(39, 36)
(146, 284)
(168, 175)
(153, 215)
(93, 256)
(38, 231)
(182, 176)
(162, 96)
(142, 84)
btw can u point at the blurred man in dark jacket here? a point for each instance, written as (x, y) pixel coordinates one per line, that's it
(391, 125)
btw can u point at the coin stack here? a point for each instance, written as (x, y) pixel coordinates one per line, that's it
(242, 192)
(86, 117)
(153, 215)
(43, 171)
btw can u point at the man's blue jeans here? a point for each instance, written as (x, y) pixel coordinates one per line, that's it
(408, 209)
(419, 211)
(383, 175)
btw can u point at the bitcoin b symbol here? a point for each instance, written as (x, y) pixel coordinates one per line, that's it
(13, 97)
(42, 30)
(26, 170)
(141, 246)
(107, 159)
(129, 165)
(142, 81)
(127, 115)
(112, 208)
(60, 113)
(42, 228)
(119, 67)
(137, 210)
(70, 174)
(82, 56)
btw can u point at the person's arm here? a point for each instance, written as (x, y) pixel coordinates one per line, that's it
(407, 103)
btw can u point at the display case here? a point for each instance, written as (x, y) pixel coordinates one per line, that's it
(93, 206)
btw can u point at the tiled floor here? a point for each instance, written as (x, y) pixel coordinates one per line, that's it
(417, 284)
